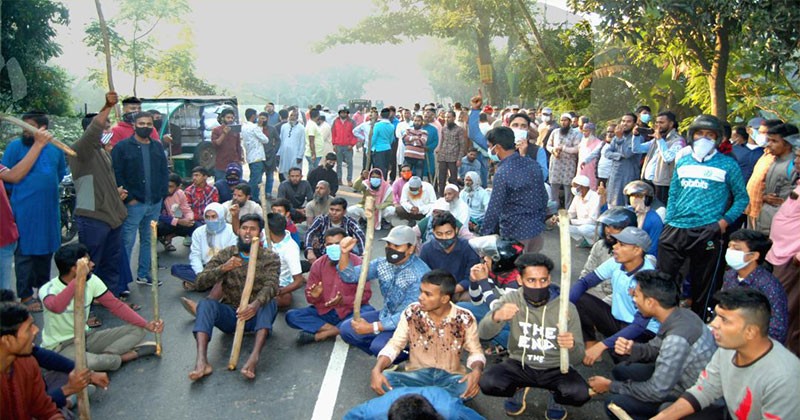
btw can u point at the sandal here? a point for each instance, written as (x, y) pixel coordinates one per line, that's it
(93, 321)
(33, 305)
(134, 306)
(496, 350)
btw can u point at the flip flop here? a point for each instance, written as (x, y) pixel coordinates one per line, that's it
(496, 350)
(33, 305)
(134, 306)
(94, 321)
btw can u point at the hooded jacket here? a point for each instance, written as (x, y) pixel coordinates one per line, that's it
(533, 331)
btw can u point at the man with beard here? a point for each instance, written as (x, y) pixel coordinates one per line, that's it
(455, 206)
(325, 173)
(534, 352)
(640, 198)
(659, 163)
(563, 146)
(450, 150)
(476, 198)
(334, 217)
(229, 268)
(625, 167)
(331, 299)
(320, 203)
(416, 199)
(415, 140)
(297, 190)
(273, 117)
(34, 201)
(469, 163)
(293, 145)
(240, 204)
(399, 275)
(124, 129)
(227, 143)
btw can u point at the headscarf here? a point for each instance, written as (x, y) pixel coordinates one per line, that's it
(476, 180)
(221, 214)
(233, 168)
(211, 235)
(379, 192)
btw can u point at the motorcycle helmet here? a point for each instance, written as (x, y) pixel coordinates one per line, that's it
(706, 122)
(503, 252)
(640, 188)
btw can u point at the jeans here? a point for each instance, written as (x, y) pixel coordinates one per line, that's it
(313, 163)
(381, 160)
(638, 409)
(344, 154)
(270, 181)
(183, 272)
(256, 173)
(32, 271)
(429, 377)
(416, 166)
(139, 217)
(6, 256)
(213, 313)
(480, 311)
(369, 343)
(105, 250)
(308, 319)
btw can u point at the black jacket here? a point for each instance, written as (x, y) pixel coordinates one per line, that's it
(129, 169)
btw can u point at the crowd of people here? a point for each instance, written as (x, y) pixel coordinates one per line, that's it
(690, 286)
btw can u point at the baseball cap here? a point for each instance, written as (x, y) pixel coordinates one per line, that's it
(488, 110)
(547, 110)
(634, 236)
(754, 123)
(401, 235)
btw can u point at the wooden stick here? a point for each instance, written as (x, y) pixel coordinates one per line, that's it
(27, 127)
(566, 279)
(619, 412)
(248, 289)
(154, 274)
(79, 321)
(369, 213)
(262, 196)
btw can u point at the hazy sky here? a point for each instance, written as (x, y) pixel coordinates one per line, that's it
(240, 41)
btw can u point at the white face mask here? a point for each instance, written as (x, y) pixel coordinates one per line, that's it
(702, 147)
(575, 192)
(760, 139)
(735, 259)
(520, 135)
(546, 118)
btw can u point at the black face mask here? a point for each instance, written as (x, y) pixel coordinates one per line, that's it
(128, 117)
(394, 256)
(157, 124)
(144, 132)
(536, 297)
(329, 166)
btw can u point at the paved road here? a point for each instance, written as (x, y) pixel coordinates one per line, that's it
(289, 377)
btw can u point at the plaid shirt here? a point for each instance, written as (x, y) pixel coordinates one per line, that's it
(452, 146)
(315, 236)
(199, 198)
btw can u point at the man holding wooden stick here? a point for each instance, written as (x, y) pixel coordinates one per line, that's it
(229, 267)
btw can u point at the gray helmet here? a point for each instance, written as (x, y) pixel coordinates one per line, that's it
(618, 217)
(706, 122)
(638, 187)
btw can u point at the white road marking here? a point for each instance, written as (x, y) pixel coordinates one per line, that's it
(326, 400)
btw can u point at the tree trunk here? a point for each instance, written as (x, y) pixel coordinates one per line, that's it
(483, 38)
(107, 51)
(719, 72)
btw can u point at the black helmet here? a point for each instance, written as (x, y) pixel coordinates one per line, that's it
(507, 252)
(618, 217)
(706, 122)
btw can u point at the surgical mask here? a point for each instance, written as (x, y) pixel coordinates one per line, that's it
(128, 117)
(446, 243)
(393, 256)
(536, 297)
(520, 135)
(760, 139)
(375, 182)
(406, 175)
(493, 156)
(735, 259)
(215, 226)
(334, 252)
(645, 118)
(702, 147)
(575, 192)
(546, 118)
(144, 132)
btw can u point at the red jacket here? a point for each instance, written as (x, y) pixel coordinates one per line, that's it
(124, 130)
(342, 132)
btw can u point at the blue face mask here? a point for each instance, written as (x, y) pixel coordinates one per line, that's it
(334, 252)
(375, 182)
(493, 156)
(215, 226)
(645, 118)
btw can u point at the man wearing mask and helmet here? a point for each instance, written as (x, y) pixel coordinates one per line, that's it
(698, 212)
(399, 275)
(640, 197)
(124, 129)
(534, 343)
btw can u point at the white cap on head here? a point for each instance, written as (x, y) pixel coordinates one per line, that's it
(581, 180)
(566, 115)
(453, 187)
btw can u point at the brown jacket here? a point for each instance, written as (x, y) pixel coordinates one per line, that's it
(265, 284)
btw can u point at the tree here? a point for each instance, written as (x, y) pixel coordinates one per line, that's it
(699, 36)
(27, 43)
(177, 70)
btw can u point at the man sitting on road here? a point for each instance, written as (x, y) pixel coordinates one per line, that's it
(207, 240)
(415, 200)
(335, 217)
(297, 190)
(284, 208)
(240, 205)
(291, 277)
(106, 349)
(436, 332)
(325, 172)
(318, 205)
(445, 250)
(534, 345)
(330, 297)
(662, 369)
(229, 268)
(398, 274)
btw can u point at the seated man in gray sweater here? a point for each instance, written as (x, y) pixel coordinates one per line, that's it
(756, 375)
(662, 369)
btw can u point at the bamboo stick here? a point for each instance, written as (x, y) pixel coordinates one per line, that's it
(79, 313)
(619, 412)
(262, 196)
(566, 277)
(369, 213)
(154, 274)
(248, 289)
(25, 126)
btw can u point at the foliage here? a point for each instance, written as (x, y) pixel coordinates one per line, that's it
(26, 80)
(177, 70)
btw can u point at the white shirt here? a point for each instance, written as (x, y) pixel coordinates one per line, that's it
(253, 140)
(250, 207)
(584, 210)
(399, 132)
(458, 209)
(201, 251)
(485, 127)
(289, 253)
(423, 202)
(325, 132)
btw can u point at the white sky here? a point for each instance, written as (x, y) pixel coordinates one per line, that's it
(240, 41)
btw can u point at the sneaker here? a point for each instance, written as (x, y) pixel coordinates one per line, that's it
(555, 411)
(147, 281)
(305, 338)
(515, 405)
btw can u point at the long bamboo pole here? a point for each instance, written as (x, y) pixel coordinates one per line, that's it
(262, 196)
(566, 279)
(369, 213)
(248, 289)
(25, 126)
(154, 275)
(79, 322)
(619, 412)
